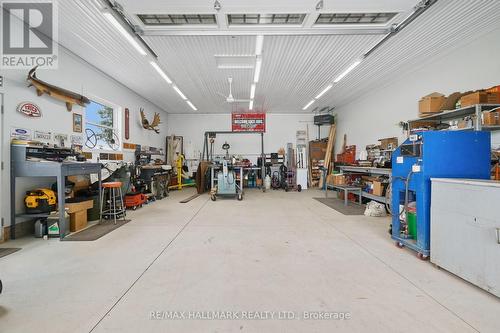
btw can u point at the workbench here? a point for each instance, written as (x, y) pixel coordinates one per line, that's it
(368, 171)
(21, 167)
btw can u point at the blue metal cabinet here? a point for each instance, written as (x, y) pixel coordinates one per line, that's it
(437, 154)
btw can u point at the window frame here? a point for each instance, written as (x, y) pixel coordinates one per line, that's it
(117, 124)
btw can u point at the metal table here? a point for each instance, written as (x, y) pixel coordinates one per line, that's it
(369, 171)
(20, 167)
(346, 189)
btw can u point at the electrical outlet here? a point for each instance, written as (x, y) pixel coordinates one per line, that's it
(415, 168)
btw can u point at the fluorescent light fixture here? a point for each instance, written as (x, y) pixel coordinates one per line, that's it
(161, 72)
(308, 104)
(324, 91)
(192, 106)
(259, 41)
(250, 106)
(258, 65)
(252, 91)
(180, 92)
(124, 32)
(341, 76)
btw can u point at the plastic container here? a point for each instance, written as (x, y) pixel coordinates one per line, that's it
(411, 219)
(267, 182)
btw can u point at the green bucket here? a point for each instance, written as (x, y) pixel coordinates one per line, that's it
(411, 219)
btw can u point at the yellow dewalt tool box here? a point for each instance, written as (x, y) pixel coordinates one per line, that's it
(41, 200)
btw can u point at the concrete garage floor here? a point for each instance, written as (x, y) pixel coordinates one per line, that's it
(273, 251)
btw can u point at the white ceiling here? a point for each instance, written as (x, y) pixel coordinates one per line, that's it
(296, 66)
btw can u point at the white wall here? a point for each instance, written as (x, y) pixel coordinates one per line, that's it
(376, 115)
(76, 75)
(280, 130)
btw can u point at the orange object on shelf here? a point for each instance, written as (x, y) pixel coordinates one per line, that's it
(348, 156)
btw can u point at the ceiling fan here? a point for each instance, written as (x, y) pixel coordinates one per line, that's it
(230, 99)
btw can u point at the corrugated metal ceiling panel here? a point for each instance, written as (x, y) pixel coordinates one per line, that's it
(295, 67)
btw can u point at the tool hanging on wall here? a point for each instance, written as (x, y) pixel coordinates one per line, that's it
(69, 97)
(153, 126)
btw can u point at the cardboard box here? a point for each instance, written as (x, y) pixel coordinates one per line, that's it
(495, 89)
(389, 143)
(491, 118)
(78, 214)
(431, 104)
(451, 101)
(335, 179)
(479, 97)
(378, 188)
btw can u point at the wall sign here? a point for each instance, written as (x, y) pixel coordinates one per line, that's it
(77, 140)
(61, 139)
(42, 136)
(77, 123)
(248, 122)
(29, 109)
(20, 133)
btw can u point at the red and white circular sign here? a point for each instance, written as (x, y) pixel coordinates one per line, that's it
(29, 109)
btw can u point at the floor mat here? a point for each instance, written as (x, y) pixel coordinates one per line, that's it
(338, 205)
(8, 250)
(96, 231)
(194, 196)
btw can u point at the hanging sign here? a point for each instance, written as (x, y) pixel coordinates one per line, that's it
(29, 109)
(42, 136)
(20, 133)
(248, 122)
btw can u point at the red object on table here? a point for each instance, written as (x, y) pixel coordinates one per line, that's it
(348, 156)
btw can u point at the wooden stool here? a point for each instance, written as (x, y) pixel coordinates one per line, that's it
(112, 207)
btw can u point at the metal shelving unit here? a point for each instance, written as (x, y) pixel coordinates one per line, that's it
(369, 171)
(473, 110)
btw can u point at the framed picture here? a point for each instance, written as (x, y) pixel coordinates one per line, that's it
(77, 123)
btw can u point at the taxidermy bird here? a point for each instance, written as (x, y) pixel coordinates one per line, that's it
(153, 126)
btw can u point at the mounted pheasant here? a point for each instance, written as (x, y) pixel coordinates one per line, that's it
(153, 126)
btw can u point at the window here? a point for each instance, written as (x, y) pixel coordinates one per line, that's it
(355, 18)
(259, 19)
(171, 19)
(101, 127)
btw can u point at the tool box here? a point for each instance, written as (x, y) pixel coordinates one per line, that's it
(135, 200)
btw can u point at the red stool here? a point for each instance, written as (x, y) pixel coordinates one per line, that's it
(113, 206)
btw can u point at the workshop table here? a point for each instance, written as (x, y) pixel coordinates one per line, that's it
(347, 189)
(20, 167)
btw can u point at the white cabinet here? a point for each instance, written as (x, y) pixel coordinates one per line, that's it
(465, 227)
